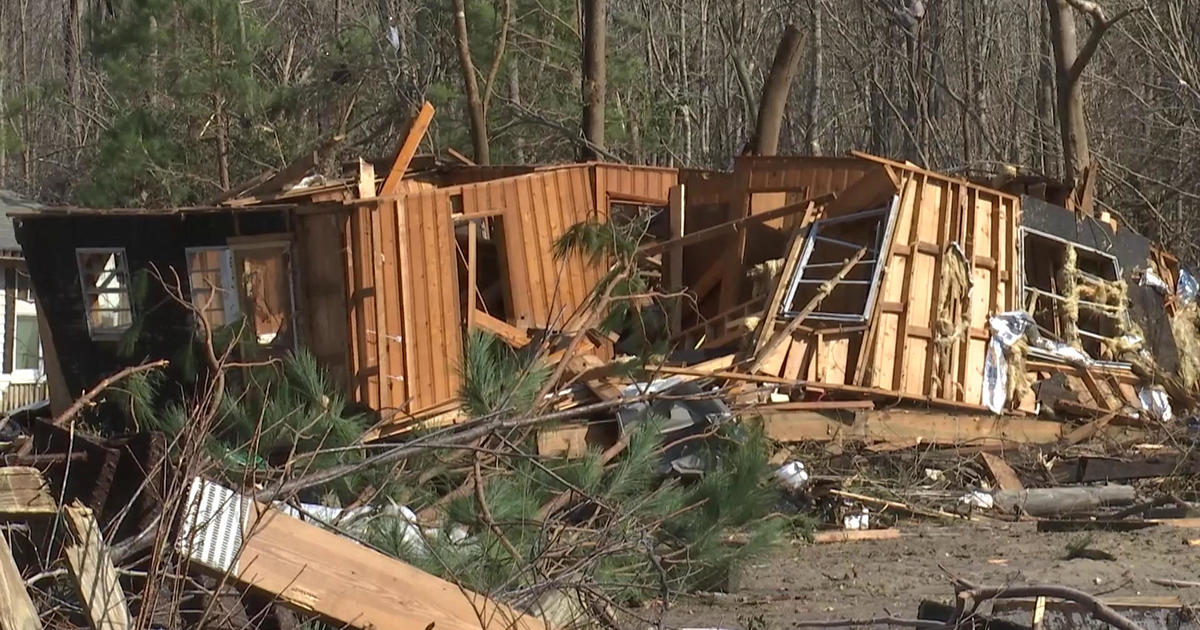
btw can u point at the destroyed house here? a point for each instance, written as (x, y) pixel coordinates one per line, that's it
(820, 279)
(377, 283)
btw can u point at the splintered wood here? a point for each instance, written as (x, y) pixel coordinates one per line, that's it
(318, 571)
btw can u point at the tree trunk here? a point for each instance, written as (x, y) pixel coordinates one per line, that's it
(72, 52)
(1069, 95)
(1045, 100)
(811, 139)
(479, 136)
(514, 95)
(595, 36)
(775, 93)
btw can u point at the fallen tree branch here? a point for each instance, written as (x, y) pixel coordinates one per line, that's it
(1087, 601)
(91, 394)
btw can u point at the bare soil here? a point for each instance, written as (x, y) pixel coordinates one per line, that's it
(868, 579)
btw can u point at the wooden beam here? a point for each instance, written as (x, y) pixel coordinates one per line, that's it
(937, 428)
(1003, 474)
(319, 572)
(16, 607)
(507, 333)
(454, 153)
(734, 226)
(263, 184)
(767, 324)
(93, 570)
(840, 536)
(408, 148)
(24, 493)
(676, 204)
(472, 273)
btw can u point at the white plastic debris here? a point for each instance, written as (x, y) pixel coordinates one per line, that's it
(978, 499)
(1188, 287)
(1150, 279)
(792, 475)
(934, 474)
(1155, 401)
(777, 397)
(861, 520)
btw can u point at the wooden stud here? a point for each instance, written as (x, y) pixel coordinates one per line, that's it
(676, 204)
(16, 607)
(93, 571)
(366, 179)
(507, 333)
(472, 273)
(407, 150)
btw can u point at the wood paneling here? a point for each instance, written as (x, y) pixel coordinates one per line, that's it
(321, 289)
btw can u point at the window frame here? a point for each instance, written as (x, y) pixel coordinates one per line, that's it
(122, 258)
(231, 302)
(241, 244)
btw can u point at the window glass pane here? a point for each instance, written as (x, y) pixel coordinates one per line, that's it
(25, 342)
(105, 280)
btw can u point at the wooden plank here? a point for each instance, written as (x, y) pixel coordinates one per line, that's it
(676, 204)
(23, 493)
(568, 440)
(322, 573)
(472, 273)
(1003, 474)
(927, 428)
(507, 333)
(408, 148)
(787, 270)
(269, 182)
(840, 536)
(16, 607)
(93, 571)
(807, 405)
(383, 346)
(725, 229)
(408, 324)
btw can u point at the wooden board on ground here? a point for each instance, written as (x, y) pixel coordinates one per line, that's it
(1003, 474)
(318, 571)
(899, 426)
(93, 571)
(23, 493)
(16, 608)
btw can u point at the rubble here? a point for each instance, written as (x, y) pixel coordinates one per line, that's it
(542, 373)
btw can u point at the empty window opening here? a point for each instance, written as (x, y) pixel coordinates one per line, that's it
(488, 288)
(1074, 293)
(104, 276)
(265, 282)
(214, 293)
(828, 245)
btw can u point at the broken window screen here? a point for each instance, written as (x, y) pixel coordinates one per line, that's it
(828, 245)
(1073, 292)
(210, 274)
(265, 278)
(104, 276)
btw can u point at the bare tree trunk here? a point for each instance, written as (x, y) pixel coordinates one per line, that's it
(816, 9)
(595, 71)
(26, 126)
(1045, 99)
(514, 95)
(218, 101)
(775, 93)
(1070, 60)
(479, 136)
(72, 52)
(1069, 97)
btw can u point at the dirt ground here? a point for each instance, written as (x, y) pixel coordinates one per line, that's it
(873, 578)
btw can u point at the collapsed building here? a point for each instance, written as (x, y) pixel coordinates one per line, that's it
(835, 282)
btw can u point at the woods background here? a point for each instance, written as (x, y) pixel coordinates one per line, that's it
(158, 102)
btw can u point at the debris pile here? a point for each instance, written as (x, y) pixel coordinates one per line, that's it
(492, 395)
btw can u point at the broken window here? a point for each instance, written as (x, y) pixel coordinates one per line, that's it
(210, 275)
(265, 283)
(828, 244)
(104, 276)
(1074, 293)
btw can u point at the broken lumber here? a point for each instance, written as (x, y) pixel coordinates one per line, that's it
(16, 607)
(1114, 525)
(93, 571)
(903, 507)
(946, 429)
(320, 572)
(1059, 501)
(1003, 474)
(507, 333)
(23, 493)
(408, 148)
